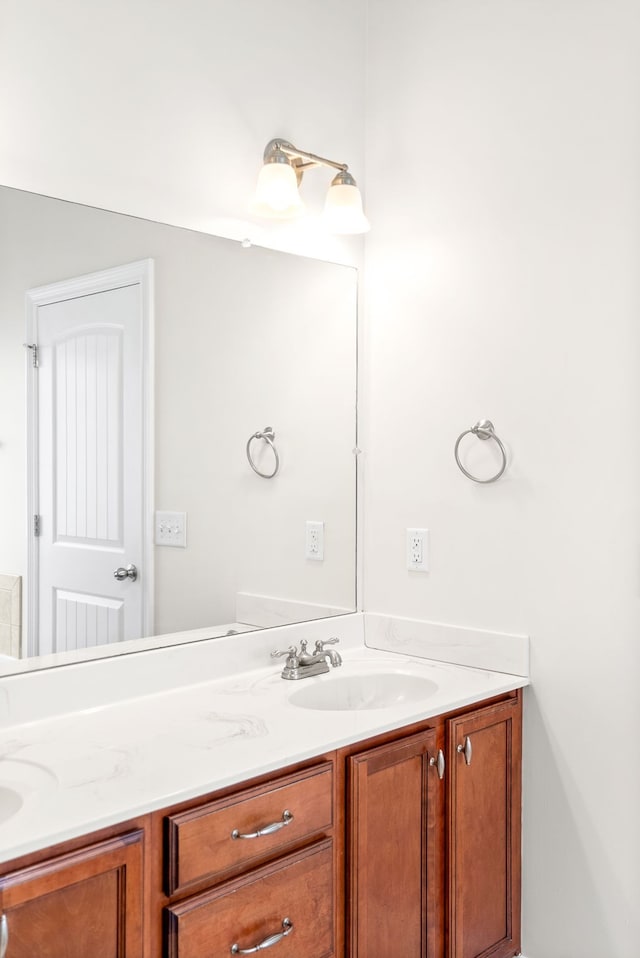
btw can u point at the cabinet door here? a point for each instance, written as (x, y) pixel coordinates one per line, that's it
(395, 809)
(86, 904)
(484, 758)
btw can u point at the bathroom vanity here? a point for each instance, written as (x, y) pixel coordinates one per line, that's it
(369, 832)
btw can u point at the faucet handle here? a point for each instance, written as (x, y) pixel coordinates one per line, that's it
(320, 643)
(292, 662)
(292, 652)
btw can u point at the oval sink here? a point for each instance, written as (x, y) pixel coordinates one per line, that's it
(372, 691)
(10, 803)
(19, 781)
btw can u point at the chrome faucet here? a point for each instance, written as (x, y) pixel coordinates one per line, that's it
(303, 664)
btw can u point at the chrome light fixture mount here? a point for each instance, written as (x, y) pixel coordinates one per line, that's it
(284, 166)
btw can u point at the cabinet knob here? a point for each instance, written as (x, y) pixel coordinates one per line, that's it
(438, 763)
(4, 935)
(466, 750)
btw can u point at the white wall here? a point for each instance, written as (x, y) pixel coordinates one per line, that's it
(503, 182)
(163, 109)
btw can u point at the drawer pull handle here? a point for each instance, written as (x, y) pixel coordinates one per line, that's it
(287, 817)
(4, 935)
(287, 927)
(466, 750)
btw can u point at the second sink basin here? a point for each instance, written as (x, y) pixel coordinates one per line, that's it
(372, 691)
(10, 803)
(20, 781)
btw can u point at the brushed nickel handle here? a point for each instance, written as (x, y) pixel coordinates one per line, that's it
(287, 817)
(129, 573)
(287, 926)
(438, 763)
(4, 935)
(466, 750)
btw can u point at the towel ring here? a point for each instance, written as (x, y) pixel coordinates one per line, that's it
(268, 435)
(483, 430)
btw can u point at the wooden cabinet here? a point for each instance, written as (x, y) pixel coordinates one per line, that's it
(84, 903)
(407, 844)
(484, 751)
(434, 863)
(395, 808)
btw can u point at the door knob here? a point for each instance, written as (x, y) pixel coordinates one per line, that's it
(129, 573)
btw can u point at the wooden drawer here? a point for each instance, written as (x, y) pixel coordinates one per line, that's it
(246, 911)
(200, 844)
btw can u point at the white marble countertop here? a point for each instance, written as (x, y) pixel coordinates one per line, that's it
(111, 763)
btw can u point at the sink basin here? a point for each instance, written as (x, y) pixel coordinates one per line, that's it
(20, 781)
(10, 803)
(372, 691)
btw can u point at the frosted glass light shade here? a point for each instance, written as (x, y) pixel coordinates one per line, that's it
(276, 193)
(343, 211)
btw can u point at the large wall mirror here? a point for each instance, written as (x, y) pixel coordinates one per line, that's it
(126, 438)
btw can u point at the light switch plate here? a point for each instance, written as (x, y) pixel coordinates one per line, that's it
(171, 529)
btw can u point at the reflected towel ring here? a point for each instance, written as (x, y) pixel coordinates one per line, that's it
(268, 435)
(483, 430)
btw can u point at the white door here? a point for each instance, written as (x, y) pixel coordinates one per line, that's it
(90, 466)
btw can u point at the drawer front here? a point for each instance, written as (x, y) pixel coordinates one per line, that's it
(294, 894)
(201, 843)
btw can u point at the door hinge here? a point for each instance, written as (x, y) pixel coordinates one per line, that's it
(37, 526)
(35, 353)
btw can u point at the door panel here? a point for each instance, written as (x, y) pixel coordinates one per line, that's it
(83, 621)
(87, 418)
(484, 832)
(395, 801)
(86, 904)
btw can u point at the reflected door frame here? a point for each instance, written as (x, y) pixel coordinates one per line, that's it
(140, 273)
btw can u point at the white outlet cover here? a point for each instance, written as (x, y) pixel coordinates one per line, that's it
(418, 550)
(314, 540)
(171, 529)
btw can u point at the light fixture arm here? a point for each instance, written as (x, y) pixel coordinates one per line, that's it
(305, 160)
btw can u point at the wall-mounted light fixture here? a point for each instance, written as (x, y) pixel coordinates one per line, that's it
(277, 195)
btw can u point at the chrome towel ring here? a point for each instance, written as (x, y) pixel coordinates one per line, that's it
(268, 435)
(483, 430)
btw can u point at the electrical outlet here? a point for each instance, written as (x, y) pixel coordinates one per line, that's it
(314, 547)
(418, 550)
(171, 529)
